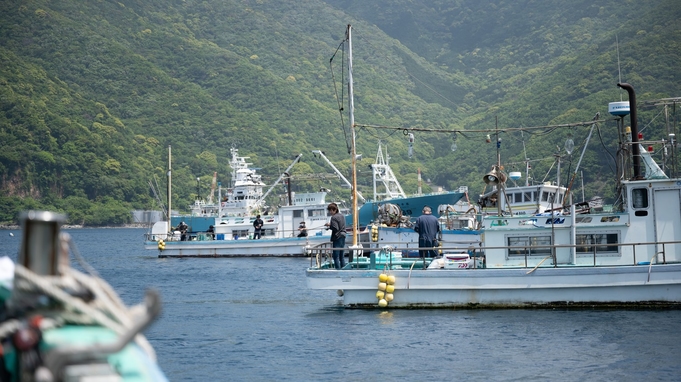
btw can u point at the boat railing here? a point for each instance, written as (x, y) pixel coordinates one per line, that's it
(208, 236)
(322, 253)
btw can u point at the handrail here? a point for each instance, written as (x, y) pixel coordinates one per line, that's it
(289, 233)
(479, 250)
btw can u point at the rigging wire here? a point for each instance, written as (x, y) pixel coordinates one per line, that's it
(364, 129)
(340, 100)
(651, 121)
(600, 137)
(549, 128)
(549, 172)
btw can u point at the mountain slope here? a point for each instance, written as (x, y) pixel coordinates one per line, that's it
(93, 93)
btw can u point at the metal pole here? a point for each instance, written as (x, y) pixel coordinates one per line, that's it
(355, 218)
(170, 199)
(500, 186)
(198, 188)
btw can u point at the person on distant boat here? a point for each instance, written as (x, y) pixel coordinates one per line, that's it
(211, 232)
(257, 224)
(427, 227)
(337, 227)
(183, 227)
(302, 230)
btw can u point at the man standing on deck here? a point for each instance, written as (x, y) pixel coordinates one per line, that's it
(428, 227)
(337, 227)
(257, 224)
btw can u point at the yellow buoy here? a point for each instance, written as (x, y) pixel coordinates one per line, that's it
(390, 288)
(383, 303)
(382, 277)
(391, 280)
(388, 297)
(382, 286)
(380, 294)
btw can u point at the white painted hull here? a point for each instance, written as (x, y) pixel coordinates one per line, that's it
(284, 247)
(563, 286)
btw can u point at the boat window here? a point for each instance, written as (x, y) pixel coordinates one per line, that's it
(317, 212)
(599, 242)
(639, 198)
(545, 196)
(518, 197)
(240, 233)
(520, 245)
(610, 219)
(527, 196)
(583, 219)
(297, 213)
(458, 224)
(535, 195)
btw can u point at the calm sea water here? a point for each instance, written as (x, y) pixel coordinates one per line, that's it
(255, 320)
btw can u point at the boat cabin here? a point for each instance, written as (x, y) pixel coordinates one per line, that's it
(524, 200)
(635, 235)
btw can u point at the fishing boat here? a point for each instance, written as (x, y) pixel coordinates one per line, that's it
(63, 325)
(233, 235)
(630, 256)
(227, 230)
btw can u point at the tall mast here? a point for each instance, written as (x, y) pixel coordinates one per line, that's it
(351, 104)
(170, 199)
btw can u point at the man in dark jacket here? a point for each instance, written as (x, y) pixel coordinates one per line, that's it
(257, 225)
(428, 227)
(337, 227)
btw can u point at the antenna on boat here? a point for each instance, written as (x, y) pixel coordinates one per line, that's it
(527, 161)
(619, 68)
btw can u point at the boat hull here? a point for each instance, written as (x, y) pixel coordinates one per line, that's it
(507, 288)
(284, 247)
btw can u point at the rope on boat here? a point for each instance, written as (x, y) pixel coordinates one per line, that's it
(650, 266)
(105, 309)
(409, 277)
(537, 266)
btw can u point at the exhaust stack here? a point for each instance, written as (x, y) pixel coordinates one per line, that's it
(634, 130)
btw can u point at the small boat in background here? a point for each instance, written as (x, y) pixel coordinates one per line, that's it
(232, 236)
(226, 229)
(63, 325)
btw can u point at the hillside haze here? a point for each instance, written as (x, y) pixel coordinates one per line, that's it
(93, 93)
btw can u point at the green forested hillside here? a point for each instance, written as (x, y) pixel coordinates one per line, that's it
(93, 93)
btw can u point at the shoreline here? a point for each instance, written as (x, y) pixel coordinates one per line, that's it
(10, 227)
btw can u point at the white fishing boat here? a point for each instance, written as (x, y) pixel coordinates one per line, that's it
(233, 235)
(227, 230)
(628, 256)
(59, 324)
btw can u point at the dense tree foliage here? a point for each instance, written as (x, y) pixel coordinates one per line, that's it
(93, 93)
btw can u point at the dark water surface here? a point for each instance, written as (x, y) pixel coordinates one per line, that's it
(255, 320)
